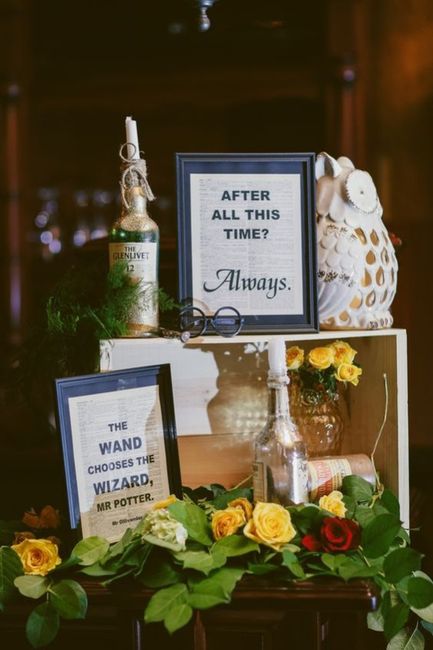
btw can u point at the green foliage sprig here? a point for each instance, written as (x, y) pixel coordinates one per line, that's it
(89, 303)
(176, 551)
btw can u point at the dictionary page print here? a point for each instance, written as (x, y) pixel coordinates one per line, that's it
(246, 242)
(119, 455)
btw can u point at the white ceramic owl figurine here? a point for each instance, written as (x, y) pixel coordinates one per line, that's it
(357, 266)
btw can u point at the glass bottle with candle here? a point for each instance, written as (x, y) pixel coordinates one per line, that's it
(134, 237)
(280, 471)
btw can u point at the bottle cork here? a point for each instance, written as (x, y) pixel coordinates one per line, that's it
(326, 473)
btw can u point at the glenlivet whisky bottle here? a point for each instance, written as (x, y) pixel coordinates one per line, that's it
(280, 472)
(134, 237)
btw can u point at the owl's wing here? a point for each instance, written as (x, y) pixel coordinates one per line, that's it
(340, 267)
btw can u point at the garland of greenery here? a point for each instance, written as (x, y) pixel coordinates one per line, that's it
(194, 551)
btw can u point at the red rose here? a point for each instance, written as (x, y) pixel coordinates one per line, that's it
(339, 534)
(311, 543)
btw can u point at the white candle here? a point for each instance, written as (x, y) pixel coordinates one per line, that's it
(277, 355)
(132, 139)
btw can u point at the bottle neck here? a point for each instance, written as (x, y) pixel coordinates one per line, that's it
(135, 200)
(278, 404)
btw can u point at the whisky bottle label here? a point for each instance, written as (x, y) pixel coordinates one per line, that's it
(259, 481)
(141, 259)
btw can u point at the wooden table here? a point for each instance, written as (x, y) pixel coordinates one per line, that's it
(323, 615)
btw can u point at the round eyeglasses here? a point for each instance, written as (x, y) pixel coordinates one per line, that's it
(226, 321)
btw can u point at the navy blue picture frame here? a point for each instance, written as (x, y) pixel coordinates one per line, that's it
(267, 163)
(119, 380)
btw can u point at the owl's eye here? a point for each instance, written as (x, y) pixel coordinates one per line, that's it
(361, 191)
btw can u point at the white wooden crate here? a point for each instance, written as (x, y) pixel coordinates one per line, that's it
(220, 399)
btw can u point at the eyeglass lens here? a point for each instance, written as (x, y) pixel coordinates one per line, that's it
(227, 321)
(192, 320)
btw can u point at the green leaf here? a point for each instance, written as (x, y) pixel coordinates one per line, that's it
(119, 547)
(10, 568)
(419, 592)
(42, 625)
(389, 501)
(158, 573)
(32, 586)
(163, 601)
(378, 509)
(262, 569)
(379, 534)
(400, 563)
(221, 502)
(194, 519)
(201, 560)
(425, 613)
(355, 568)
(375, 621)
(333, 561)
(405, 640)
(134, 555)
(118, 576)
(211, 596)
(235, 545)
(427, 626)
(90, 550)
(69, 599)
(357, 488)
(215, 589)
(404, 535)
(364, 515)
(350, 505)
(177, 617)
(97, 571)
(395, 620)
(291, 561)
(307, 518)
(71, 562)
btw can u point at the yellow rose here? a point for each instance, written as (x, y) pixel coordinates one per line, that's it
(164, 503)
(348, 372)
(38, 556)
(245, 505)
(333, 503)
(227, 522)
(343, 353)
(270, 525)
(294, 357)
(321, 358)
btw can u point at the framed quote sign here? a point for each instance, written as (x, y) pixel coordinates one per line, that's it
(119, 447)
(246, 230)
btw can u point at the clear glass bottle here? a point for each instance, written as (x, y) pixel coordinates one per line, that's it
(280, 472)
(134, 238)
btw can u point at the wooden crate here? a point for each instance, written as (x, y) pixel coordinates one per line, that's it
(220, 398)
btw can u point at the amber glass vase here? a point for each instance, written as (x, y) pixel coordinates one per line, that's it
(318, 418)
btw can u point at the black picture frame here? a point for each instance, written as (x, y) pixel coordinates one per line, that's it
(118, 437)
(287, 207)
